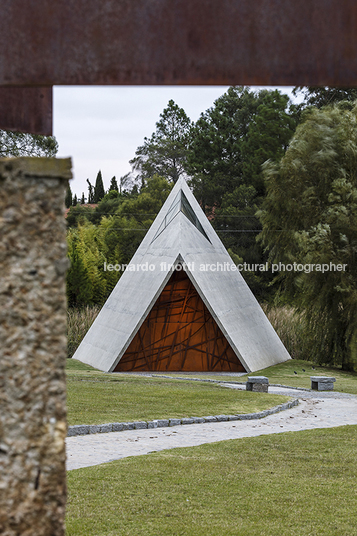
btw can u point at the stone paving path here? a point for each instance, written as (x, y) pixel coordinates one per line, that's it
(316, 410)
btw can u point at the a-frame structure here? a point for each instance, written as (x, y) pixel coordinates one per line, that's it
(180, 306)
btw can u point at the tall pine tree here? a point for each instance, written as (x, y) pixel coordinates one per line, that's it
(68, 199)
(113, 184)
(165, 153)
(99, 192)
(90, 192)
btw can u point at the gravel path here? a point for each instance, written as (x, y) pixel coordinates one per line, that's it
(316, 410)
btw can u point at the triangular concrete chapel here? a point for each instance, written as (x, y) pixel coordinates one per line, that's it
(180, 305)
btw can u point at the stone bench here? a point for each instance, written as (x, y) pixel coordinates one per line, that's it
(258, 384)
(322, 383)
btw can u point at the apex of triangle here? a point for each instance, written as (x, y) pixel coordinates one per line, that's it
(180, 204)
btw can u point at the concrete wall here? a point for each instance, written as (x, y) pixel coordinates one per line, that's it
(33, 265)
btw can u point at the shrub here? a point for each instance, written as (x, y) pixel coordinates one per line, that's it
(78, 323)
(292, 328)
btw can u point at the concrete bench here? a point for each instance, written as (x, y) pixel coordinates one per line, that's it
(258, 384)
(322, 383)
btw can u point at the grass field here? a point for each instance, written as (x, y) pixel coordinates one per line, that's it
(346, 382)
(94, 397)
(291, 484)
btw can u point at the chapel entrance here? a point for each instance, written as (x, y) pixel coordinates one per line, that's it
(179, 334)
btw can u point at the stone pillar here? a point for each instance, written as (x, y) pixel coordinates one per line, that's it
(33, 266)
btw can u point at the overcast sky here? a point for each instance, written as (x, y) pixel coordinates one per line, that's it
(101, 127)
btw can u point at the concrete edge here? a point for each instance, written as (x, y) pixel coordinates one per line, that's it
(85, 429)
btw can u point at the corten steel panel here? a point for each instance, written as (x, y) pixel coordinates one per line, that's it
(26, 109)
(179, 334)
(263, 42)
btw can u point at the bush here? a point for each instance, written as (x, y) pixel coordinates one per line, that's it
(78, 323)
(292, 328)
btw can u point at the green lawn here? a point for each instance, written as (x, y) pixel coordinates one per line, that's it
(346, 382)
(291, 484)
(94, 397)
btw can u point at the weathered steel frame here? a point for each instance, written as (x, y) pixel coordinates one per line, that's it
(161, 42)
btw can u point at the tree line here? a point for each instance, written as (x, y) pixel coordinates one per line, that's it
(279, 183)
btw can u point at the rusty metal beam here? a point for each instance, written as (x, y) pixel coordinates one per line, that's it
(264, 42)
(114, 42)
(26, 109)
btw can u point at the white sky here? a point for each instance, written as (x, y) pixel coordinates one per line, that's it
(100, 127)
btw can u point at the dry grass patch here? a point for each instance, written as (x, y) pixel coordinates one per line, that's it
(78, 323)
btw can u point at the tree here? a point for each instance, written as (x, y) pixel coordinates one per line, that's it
(127, 183)
(232, 139)
(113, 239)
(165, 153)
(113, 184)
(98, 188)
(78, 283)
(79, 214)
(126, 229)
(75, 200)
(229, 144)
(68, 199)
(86, 281)
(90, 192)
(324, 96)
(310, 217)
(83, 201)
(20, 144)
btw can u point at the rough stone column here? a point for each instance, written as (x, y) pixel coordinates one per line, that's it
(33, 265)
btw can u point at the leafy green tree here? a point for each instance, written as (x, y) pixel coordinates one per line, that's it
(20, 144)
(238, 228)
(75, 200)
(79, 214)
(232, 139)
(127, 183)
(126, 229)
(86, 281)
(165, 153)
(112, 194)
(310, 217)
(113, 239)
(324, 96)
(229, 144)
(68, 199)
(79, 291)
(268, 136)
(83, 201)
(107, 206)
(98, 188)
(113, 184)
